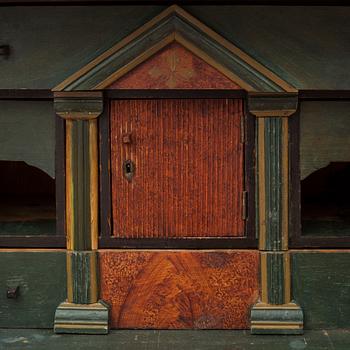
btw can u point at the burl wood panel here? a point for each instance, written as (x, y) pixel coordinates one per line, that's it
(179, 289)
(174, 67)
(188, 160)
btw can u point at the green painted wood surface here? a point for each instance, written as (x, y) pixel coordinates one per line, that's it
(84, 282)
(191, 34)
(42, 280)
(81, 185)
(321, 285)
(324, 134)
(273, 183)
(26, 339)
(275, 278)
(307, 46)
(51, 43)
(27, 133)
(42, 227)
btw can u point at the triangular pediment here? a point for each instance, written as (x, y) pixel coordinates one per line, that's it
(174, 31)
(174, 67)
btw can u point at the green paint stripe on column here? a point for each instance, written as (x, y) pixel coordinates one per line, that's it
(273, 182)
(275, 278)
(84, 279)
(81, 185)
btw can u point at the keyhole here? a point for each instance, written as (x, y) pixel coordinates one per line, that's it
(128, 169)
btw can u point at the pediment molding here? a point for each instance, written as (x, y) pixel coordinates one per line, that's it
(175, 25)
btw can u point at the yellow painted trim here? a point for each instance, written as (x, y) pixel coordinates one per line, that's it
(94, 192)
(69, 185)
(261, 184)
(74, 306)
(78, 115)
(287, 277)
(81, 325)
(273, 113)
(113, 49)
(196, 23)
(281, 325)
(135, 62)
(174, 37)
(285, 183)
(69, 278)
(206, 58)
(263, 276)
(93, 278)
(266, 306)
(235, 50)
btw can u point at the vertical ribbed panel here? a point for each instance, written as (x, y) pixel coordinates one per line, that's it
(273, 178)
(188, 160)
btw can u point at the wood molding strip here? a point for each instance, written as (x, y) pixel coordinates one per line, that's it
(175, 24)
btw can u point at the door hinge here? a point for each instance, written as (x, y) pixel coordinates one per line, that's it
(242, 129)
(244, 205)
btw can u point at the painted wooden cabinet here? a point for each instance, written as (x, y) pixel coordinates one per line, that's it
(177, 166)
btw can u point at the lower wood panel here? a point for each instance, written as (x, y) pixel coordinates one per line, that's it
(321, 285)
(41, 278)
(179, 289)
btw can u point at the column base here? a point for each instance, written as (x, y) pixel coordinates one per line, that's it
(276, 319)
(82, 318)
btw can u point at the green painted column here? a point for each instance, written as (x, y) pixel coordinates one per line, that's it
(276, 312)
(82, 312)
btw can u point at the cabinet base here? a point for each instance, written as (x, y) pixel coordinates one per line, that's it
(82, 318)
(276, 319)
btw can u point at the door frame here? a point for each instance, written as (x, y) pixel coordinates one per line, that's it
(106, 240)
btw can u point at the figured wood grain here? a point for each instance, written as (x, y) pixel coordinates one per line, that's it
(179, 289)
(174, 67)
(188, 158)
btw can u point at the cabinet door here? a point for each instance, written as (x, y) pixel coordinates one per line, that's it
(177, 168)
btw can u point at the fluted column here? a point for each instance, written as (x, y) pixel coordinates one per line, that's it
(82, 312)
(275, 313)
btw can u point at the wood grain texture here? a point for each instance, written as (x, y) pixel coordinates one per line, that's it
(188, 160)
(174, 67)
(179, 289)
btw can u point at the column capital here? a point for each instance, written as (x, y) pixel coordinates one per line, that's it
(272, 104)
(78, 105)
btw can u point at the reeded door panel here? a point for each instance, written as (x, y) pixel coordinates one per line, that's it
(177, 168)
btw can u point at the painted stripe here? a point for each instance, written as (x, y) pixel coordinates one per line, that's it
(94, 191)
(261, 184)
(285, 183)
(287, 277)
(70, 297)
(277, 326)
(264, 282)
(69, 186)
(81, 325)
(135, 62)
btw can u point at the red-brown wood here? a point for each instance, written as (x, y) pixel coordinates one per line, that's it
(174, 67)
(188, 180)
(179, 289)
